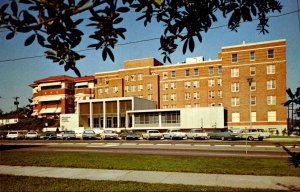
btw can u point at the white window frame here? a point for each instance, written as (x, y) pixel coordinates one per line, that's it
(235, 72)
(187, 96)
(173, 85)
(271, 84)
(252, 71)
(271, 69)
(211, 82)
(196, 84)
(165, 75)
(235, 117)
(252, 56)
(272, 116)
(235, 101)
(235, 87)
(211, 94)
(271, 54)
(271, 100)
(234, 58)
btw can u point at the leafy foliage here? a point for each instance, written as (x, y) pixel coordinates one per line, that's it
(53, 26)
(294, 97)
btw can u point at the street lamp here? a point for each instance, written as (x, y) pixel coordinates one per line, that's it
(250, 80)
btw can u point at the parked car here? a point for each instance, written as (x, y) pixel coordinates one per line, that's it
(152, 134)
(129, 135)
(254, 133)
(295, 133)
(224, 135)
(50, 135)
(13, 135)
(197, 134)
(69, 135)
(32, 135)
(88, 134)
(174, 134)
(108, 134)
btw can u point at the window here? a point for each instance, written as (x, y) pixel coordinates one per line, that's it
(140, 87)
(140, 77)
(127, 88)
(173, 74)
(196, 72)
(211, 82)
(253, 100)
(133, 88)
(252, 71)
(100, 91)
(173, 85)
(165, 97)
(235, 101)
(196, 84)
(235, 72)
(165, 75)
(271, 84)
(252, 56)
(173, 96)
(234, 58)
(133, 77)
(196, 95)
(106, 81)
(271, 100)
(106, 90)
(271, 69)
(235, 87)
(270, 53)
(187, 96)
(149, 96)
(271, 116)
(253, 86)
(115, 89)
(187, 72)
(211, 94)
(235, 117)
(187, 106)
(212, 105)
(211, 70)
(219, 82)
(220, 70)
(149, 86)
(126, 77)
(220, 94)
(187, 84)
(165, 86)
(253, 116)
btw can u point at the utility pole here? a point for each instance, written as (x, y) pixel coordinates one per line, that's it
(17, 105)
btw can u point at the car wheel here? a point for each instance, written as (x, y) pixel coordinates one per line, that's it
(250, 138)
(260, 139)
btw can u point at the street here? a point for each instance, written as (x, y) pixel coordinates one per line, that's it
(209, 148)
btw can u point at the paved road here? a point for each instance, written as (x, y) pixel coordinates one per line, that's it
(191, 148)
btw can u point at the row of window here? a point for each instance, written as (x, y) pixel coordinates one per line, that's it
(195, 105)
(235, 117)
(270, 55)
(271, 84)
(235, 72)
(271, 100)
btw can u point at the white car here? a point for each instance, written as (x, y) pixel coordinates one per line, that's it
(174, 134)
(13, 135)
(197, 134)
(108, 134)
(32, 135)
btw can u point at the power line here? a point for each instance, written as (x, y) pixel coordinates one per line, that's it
(146, 40)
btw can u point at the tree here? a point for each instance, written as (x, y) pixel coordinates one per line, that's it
(294, 99)
(52, 23)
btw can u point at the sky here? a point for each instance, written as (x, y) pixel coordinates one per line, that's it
(16, 75)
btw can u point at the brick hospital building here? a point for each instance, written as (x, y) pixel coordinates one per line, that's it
(243, 75)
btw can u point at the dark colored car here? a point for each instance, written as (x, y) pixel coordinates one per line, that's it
(50, 136)
(129, 136)
(69, 135)
(224, 135)
(89, 134)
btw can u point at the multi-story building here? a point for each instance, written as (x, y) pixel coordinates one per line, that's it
(56, 95)
(223, 82)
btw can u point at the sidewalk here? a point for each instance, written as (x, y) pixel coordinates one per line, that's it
(237, 181)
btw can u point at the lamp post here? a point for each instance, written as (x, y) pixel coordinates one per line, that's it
(250, 80)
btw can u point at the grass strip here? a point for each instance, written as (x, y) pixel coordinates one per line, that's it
(242, 166)
(10, 183)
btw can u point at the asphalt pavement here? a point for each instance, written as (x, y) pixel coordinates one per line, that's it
(225, 180)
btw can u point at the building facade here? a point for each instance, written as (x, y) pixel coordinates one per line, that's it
(195, 83)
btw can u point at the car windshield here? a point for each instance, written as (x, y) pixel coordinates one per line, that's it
(70, 132)
(31, 133)
(108, 131)
(89, 132)
(13, 132)
(198, 131)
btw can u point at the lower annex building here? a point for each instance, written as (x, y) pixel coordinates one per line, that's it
(247, 73)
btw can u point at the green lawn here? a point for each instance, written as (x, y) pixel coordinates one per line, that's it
(279, 167)
(21, 183)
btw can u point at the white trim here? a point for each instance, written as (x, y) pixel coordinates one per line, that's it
(81, 84)
(50, 98)
(49, 84)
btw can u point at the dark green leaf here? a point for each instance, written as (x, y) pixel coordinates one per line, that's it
(10, 35)
(111, 55)
(4, 7)
(118, 20)
(14, 8)
(123, 9)
(185, 46)
(253, 10)
(78, 22)
(40, 39)
(104, 54)
(61, 62)
(67, 67)
(25, 1)
(29, 18)
(191, 44)
(246, 14)
(29, 40)
(77, 72)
